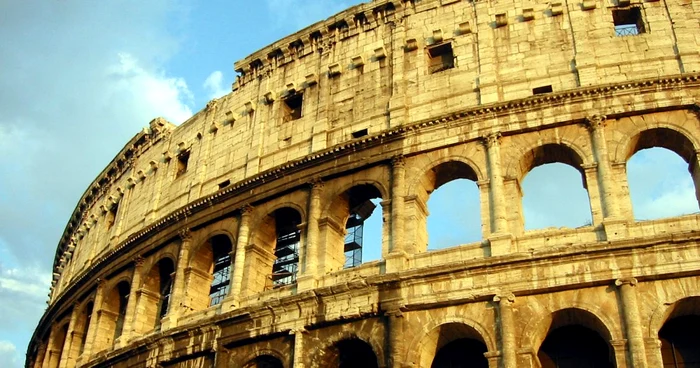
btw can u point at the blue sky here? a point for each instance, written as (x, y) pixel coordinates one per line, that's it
(78, 80)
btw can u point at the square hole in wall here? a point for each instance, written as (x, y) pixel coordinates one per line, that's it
(291, 106)
(359, 133)
(440, 57)
(541, 90)
(182, 160)
(628, 22)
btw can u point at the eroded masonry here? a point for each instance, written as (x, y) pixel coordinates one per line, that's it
(236, 238)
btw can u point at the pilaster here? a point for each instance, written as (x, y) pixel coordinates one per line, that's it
(633, 326)
(240, 259)
(506, 328)
(309, 264)
(179, 294)
(129, 325)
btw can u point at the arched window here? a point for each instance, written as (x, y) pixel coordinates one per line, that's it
(554, 188)
(221, 269)
(166, 270)
(87, 317)
(574, 340)
(452, 199)
(288, 236)
(122, 289)
(363, 237)
(660, 185)
(680, 342)
(350, 353)
(453, 345)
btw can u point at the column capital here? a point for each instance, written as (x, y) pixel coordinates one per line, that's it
(626, 281)
(398, 161)
(138, 261)
(504, 298)
(595, 121)
(246, 209)
(491, 139)
(316, 184)
(185, 234)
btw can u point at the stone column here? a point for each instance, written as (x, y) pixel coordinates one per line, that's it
(500, 239)
(91, 334)
(51, 353)
(129, 328)
(239, 262)
(309, 264)
(178, 298)
(396, 338)
(596, 125)
(299, 352)
(398, 192)
(633, 325)
(67, 358)
(506, 326)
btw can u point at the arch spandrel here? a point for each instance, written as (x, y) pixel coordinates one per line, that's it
(663, 300)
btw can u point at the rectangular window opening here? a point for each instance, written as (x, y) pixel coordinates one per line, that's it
(541, 90)
(224, 184)
(628, 22)
(441, 58)
(292, 106)
(359, 133)
(112, 216)
(182, 160)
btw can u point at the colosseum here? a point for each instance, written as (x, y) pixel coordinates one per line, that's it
(234, 239)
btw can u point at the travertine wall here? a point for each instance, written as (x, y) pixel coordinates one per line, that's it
(368, 68)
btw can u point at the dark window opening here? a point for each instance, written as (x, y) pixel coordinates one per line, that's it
(182, 160)
(680, 342)
(441, 58)
(363, 200)
(265, 361)
(123, 289)
(461, 353)
(574, 346)
(292, 106)
(86, 327)
(221, 272)
(284, 269)
(166, 270)
(224, 184)
(355, 353)
(628, 22)
(359, 133)
(541, 90)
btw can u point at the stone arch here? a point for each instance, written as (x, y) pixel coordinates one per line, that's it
(342, 222)
(440, 333)
(379, 186)
(668, 136)
(263, 211)
(664, 311)
(547, 152)
(155, 292)
(85, 308)
(265, 358)
(432, 176)
(323, 359)
(200, 271)
(585, 315)
(113, 310)
(277, 240)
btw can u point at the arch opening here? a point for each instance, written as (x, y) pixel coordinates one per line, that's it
(86, 319)
(453, 205)
(264, 361)
(554, 188)
(117, 305)
(362, 241)
(576, 339)
(660, 184)
(57, 349)
(154, 298)
(353, 352)
(453, 345)
(220, 268)
(680, 342)
(286, 247)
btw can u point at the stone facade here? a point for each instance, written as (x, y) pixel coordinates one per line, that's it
(390, 100)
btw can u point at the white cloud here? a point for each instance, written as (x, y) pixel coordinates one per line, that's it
(9, 355)
(214, 84)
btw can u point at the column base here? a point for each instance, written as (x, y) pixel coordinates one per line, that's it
(396, 262)
(501, 244)
(615, 228)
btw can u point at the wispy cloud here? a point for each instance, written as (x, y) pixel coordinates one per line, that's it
(214, 84)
